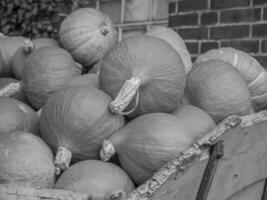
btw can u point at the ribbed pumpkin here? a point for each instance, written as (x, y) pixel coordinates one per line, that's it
(48, 69)
(8, 48)
(83, 121)
(20, 95)
(26, 159)
(28, 47)
(146, 143)
(16, 115)
(219, 89)
(88, 80)
(251, 70)
(197, 120)
(101, 180)
(145, 73)
(87, 34)
(174, 39)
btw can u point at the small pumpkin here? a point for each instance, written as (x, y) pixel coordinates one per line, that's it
(101, 180)
(145, 73)
(25, 159)
(28, 47)
(20, 95)
(16, 115)
(87, 34)
(219, 89)
(175, 40)
(8, 48)
(147, 143)
(251, 70)
(83, 121)
(48, 69)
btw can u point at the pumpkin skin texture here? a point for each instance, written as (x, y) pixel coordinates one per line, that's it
(87, 34)
(197, 120)
(251, 70)
(16, 115)
(156, 65)
(8, 48)
(22, 53)
(20, 95)
(148, 142)
(26, 159)
(170, 36)
(48, 69)
(83, 121)
(88, 80)
(98, 179)
(219, 89)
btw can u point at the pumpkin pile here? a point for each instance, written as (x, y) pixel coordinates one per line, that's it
(143, 103)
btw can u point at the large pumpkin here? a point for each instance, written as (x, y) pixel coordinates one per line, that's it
(219, 89)
(147, 143)
(87, 34)
(16, 115)
(48, 69)
(88, 80)
(99, 179)
(145, 73)
(8, 48)
(174, 39)
(251, 70)
(27, 48)
(26, 159)
(76, 120)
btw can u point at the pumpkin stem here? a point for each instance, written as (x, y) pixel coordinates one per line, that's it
(28, 46)
(107, 150)
(128, 91)
(62, 160)
(10, 89)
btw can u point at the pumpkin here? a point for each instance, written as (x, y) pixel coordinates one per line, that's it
(48, 69)
(219, 89)
(83, 121)
(197, 120)
(101, 180)
(8, 48)
(146, 143)
(145, 73)
(22, 52)
(16, 115)
(25, 159)
(89, 80)
(20, 95)
(251, 70)
(174, 39)
(87, 34)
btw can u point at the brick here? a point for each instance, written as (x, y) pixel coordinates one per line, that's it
(249, 46)
(264, 46)
(265, 13)
(259, 2)
(205, 46)
(192, 47)
(259, 30)
(241, 15)
(209, 18)
(172, 7)
(228, 32)
(218, 4)
(262, 60)
(192, 5)
(193, 33)
(180, 20)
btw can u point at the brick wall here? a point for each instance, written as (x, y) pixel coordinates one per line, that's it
(208, 24)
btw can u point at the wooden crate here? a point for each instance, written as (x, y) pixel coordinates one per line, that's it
(235, 170)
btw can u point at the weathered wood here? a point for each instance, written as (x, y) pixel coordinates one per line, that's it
(16, 191)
